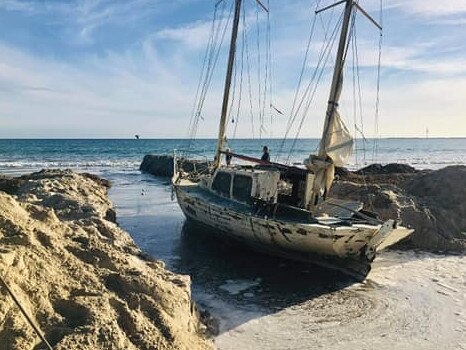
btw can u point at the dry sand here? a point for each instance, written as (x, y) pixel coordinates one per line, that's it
(80, 277)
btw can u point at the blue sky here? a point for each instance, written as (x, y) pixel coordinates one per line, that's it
(101, 68)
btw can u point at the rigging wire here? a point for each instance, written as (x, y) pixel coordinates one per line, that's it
(232, 96)
(377, 101)
(248, 65)
(355, 120)
(300, 79)
(261, 117)
(327, 42)
(266, 94)
(240, 83)
(314, 82)
(209, 43)
(361, 130)
(212, 62)
(269, 48)
(264, 78)
(303, 68)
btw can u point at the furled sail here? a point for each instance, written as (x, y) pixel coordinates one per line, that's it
(338, 142)
(336, 146)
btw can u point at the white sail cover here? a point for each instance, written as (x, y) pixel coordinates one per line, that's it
(338, 142)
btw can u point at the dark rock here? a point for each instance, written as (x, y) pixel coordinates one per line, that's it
(157, 165)
(11, 185)
(162, 165)
(371, 169)
(443, 192)
(432, 203)
(395, 174)
(393, 168)
(341, 171)
(103, 182)
(110, 215)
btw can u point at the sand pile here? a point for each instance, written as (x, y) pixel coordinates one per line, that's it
(81, 278)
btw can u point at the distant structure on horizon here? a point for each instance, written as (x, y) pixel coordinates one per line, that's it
(427, 133)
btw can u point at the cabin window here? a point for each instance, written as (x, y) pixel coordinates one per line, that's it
(221, 184)
(242, 186)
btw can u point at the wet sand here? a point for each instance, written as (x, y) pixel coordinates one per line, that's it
(409, 301)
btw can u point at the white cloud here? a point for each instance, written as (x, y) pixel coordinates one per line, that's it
(84, 17)
(107, 96)
(140, 90)
(429, 8)
(414, 58)
(194, 35)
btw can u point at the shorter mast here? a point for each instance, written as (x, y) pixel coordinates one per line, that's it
(335, 135)
(336, 145)
(226, 93)
(337, 81)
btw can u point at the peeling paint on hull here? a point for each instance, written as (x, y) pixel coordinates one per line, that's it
(340, 247)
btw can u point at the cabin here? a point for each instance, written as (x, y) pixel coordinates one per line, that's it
(264, 184)
(246, 184)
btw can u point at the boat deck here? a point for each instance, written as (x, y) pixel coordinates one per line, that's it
(283, 212)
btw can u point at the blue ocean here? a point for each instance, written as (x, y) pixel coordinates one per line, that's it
(106, 156)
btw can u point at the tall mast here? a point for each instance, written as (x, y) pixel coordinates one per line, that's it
(226, 92)
(337, 75)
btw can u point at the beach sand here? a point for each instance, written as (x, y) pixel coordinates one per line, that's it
(81, 278)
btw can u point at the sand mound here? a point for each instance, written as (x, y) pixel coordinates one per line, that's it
(80, 277)
(432, 202)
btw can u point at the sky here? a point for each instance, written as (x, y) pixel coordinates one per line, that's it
(115, 68)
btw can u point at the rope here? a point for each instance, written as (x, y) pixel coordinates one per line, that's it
(25, 314)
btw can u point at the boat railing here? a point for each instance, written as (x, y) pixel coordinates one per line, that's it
(200, 163)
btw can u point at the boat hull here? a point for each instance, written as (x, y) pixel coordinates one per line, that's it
(342, 247)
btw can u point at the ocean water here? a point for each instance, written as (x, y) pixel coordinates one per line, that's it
(104, 156)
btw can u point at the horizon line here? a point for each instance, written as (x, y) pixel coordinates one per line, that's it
(214, 138)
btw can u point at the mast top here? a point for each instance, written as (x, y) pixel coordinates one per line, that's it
(353, 3)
